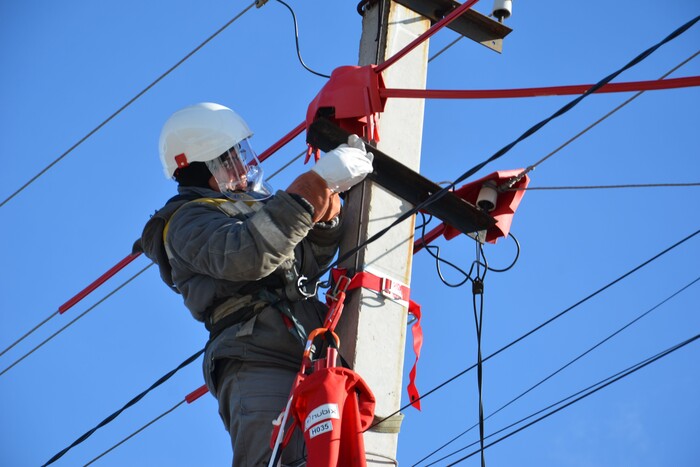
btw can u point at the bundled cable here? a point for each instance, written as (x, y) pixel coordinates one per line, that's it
(133, 401)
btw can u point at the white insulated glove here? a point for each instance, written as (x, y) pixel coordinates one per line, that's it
(345, 166)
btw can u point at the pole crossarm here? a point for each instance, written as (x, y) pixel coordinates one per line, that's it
(405, 183)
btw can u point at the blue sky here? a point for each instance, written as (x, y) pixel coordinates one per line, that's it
(69, 66)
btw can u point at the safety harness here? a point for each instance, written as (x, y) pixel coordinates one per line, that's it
(334, 406)
(252, 298)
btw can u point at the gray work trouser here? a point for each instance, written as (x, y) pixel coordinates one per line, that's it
(251, 396)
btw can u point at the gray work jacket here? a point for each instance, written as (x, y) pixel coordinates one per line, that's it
(217, 249)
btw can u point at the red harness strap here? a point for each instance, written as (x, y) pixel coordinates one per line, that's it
(395, 291)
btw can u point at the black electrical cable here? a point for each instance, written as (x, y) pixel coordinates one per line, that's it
(607, 187)
(515, 260)
(551, 375)
(597, 122)
(438, 259)
(296, 39)
(131, 101)
(542, 325)
(478, 290)
(133, 401)
(534, 129)
(626, 373)
(104, 453)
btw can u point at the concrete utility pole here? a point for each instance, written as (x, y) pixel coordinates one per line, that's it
(373, 328)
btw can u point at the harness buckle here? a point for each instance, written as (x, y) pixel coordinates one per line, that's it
(390, 289)
(341, 286)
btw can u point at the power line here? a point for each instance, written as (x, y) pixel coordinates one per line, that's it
(28, 333)
(571, 362)
(136, 432)
(600, 385)
(122, 108)
(439, 52)
(604, 187)
(133, 401)
(123, 284)
(287, 165)
(79, 296)
(191, 397)
(600, 120)
(547, 322)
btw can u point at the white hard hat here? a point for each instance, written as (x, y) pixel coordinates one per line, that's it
(199, 133)
(217, 136)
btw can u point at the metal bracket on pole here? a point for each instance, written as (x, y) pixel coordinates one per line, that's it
(405, 183)
(472, 24)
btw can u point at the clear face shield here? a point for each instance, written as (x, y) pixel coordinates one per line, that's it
(239, 174)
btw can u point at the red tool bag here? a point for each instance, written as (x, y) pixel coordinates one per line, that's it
(333, 407)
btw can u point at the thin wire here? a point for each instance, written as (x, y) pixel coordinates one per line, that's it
(445, 48)
(131, 101)
(55, 313)
(551, 375)
(604, 117)
(137, 432)
(296, 39)
(75, 319)
(133, 401)
(598, 187)
(542, 325)
(561, 401)
(444, 191)
(285, 166)
(633, 369)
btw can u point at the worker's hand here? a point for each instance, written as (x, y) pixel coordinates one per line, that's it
(346, 165)
(313, 189)
(333, 209)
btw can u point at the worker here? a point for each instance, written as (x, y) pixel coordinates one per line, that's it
(239, 254)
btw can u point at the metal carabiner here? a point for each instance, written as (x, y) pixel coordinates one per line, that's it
(341, 285)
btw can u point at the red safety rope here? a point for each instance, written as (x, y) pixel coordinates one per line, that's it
(651, 85)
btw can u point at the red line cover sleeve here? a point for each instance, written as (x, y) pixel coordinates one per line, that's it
(196, 394)
(98, 282)
(652, 85)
